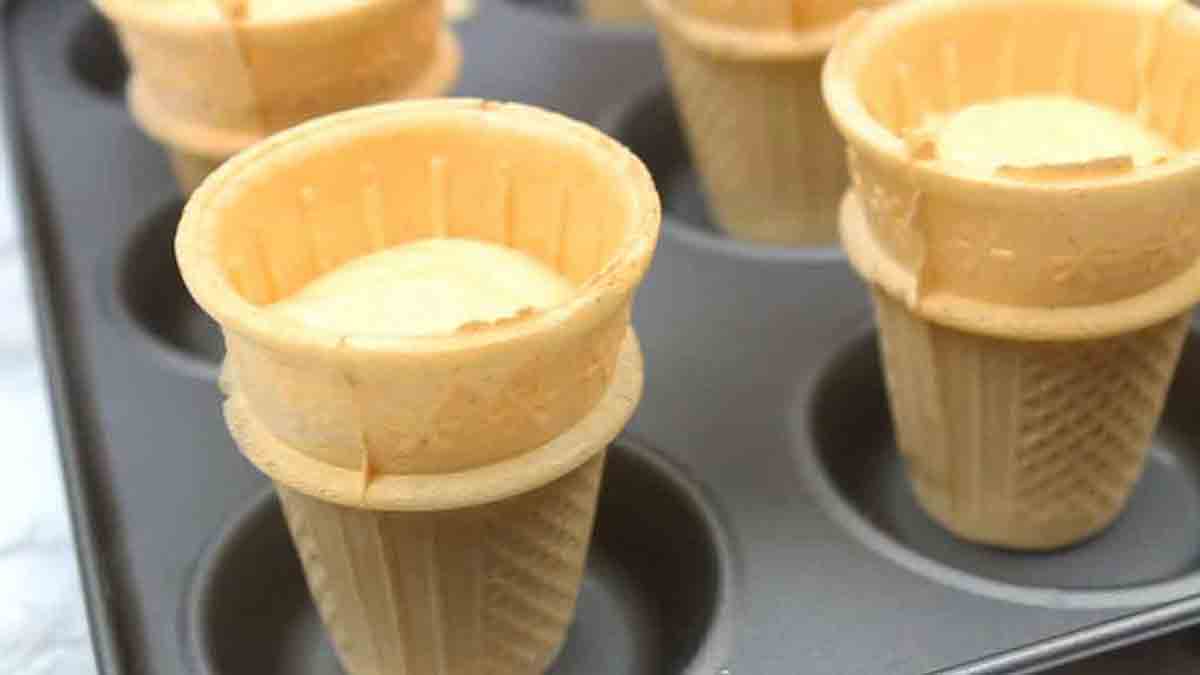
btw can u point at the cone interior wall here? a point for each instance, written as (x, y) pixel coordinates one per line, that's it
(957, 241)
(317, 196)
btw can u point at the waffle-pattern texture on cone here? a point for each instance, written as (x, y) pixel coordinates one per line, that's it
(1031, 445)
(1030, 320)
(747, 77)
(616, 11)
(307, 200)
(489, 589)
(462, 573)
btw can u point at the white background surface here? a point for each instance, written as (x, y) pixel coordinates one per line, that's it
(43, 628)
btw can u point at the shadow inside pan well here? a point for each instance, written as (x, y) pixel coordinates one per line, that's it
(95, 56)
(150, 294)
(654, 599)
(1150, 554)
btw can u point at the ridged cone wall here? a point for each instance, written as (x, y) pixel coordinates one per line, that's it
(747, 81)
(489, 590)
(770, 160)
(1023, 444)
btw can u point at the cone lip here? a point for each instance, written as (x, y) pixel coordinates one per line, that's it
(863, 33)
(142, 13)
(1011, 322)
(605, 293)
(217, 144)
(437, 492)
(748, 44)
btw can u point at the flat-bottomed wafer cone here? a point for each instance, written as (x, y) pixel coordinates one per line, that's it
(746, 77)
(210, 86)
(1030, 321)
(400, 442)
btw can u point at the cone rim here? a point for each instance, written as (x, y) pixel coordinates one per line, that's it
(605, 294)
(855, 44)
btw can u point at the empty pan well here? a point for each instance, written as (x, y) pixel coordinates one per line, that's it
(95, 56)
(1150, 554)
(150, 296)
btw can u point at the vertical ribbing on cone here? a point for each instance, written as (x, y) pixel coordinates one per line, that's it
(772, 164)
(487, 590)
(1028, 445)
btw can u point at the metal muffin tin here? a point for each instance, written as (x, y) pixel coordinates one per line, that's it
(755, 521)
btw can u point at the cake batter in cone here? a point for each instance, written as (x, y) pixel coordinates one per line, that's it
(392, 452)
(746, 76)
(1030, 316)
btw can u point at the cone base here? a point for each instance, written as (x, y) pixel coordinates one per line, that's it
(449, 591)
(1023, 445)
(1012, 535)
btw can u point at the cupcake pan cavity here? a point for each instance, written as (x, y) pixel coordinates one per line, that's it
(762, 527)
(1136, 561)
(654, 598)
(95, 57)
(150, 298)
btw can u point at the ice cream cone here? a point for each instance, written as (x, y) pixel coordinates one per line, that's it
(616, 11)
(400, 442)
(1030, 321)
(211, 85)
(455, 583)
(746, 76)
